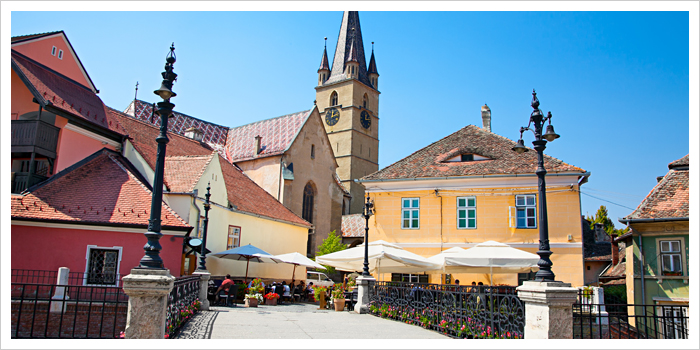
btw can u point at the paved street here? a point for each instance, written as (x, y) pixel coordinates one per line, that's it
(298, 321)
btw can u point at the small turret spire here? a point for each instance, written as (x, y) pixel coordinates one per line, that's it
(324, 70)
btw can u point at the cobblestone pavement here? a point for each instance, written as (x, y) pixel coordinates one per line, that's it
(296, 321)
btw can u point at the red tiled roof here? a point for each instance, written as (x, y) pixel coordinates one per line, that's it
(245, 195)
(32, 36)
(183, 172)
(214, 135)
(101, 189)
(431, 161)
(619, 269)
(683, 162)
(62, 92)
(143, 137)
(353, 226)
(277, 134)
(669, 198)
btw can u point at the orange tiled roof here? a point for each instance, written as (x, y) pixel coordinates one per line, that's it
(101, 189)
(431, 161)
(353, 225)
(183, 172)
(62, 92)
(670, 197)
(245, 195)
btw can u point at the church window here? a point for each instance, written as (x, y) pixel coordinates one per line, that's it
(352, 70)
(334, 98)
(307, 212)
(313, 151)
(364, 101)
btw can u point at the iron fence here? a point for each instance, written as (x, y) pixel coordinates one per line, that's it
(67, 311)
(458, 311)
(74, 278)
(183, 303)
(628, 321)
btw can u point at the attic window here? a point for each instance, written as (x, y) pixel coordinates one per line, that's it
(60, 54)
(467, 157)
(53, 51)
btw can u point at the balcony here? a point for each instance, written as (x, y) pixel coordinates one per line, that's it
(22, 181)
(34, 136)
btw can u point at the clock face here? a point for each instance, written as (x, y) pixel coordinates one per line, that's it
(332, 116)
(365, 119)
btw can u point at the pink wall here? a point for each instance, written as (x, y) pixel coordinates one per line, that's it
(43, 248)
(74, 147)
(40, 51)
(21, 102)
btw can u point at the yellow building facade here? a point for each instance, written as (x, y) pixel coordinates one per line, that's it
(470, 188)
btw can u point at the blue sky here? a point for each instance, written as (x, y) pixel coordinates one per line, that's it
(617, 83)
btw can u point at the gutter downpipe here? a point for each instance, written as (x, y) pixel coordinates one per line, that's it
(437, 194)
(194, 203)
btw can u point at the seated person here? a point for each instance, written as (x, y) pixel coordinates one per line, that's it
(309, 290)
(287, 291)
(228, 282)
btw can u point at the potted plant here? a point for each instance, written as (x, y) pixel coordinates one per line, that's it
(254, 294)
(320, 295)
(338, 295)
(271, 298)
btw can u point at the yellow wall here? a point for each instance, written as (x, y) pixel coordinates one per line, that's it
(438, 226)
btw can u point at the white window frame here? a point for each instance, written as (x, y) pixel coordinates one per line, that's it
(411, 210)
(678, 314)
(87, 265)
(229, 235)
(681, 256)
(53, 51)
(466, 209)
(513, 211)
(60, 54)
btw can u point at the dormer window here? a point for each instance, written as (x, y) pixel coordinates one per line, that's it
(467, 157)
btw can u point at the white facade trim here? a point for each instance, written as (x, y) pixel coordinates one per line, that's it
(92, 135)
(511, 181)
(91, 227)
(682, 300)
(469, 245)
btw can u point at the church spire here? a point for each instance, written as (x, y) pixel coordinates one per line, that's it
(323, 71)
(349, 49)
(372, 70)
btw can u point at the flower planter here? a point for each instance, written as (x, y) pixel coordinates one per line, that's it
(322, 301)
(271, 302)
(251, 302)
(339, 304)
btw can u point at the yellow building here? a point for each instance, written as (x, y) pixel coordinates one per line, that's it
(470, 187)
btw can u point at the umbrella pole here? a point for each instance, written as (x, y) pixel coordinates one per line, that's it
(293, 271)
(246, 270)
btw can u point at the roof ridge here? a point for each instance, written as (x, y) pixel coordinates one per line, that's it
(263, 120)
(34, 36)
(201, 171)
(180, 113)
(138, 180)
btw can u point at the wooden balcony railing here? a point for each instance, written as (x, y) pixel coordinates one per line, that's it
(34, 136)
(22, 181)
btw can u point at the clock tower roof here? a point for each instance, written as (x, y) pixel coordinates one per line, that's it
(349, 48)
(324, 60)
(372, 69)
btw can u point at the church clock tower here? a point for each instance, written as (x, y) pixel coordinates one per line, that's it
(348, 100)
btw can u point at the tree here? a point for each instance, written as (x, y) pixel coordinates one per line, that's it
(331, 244)
(601, 217)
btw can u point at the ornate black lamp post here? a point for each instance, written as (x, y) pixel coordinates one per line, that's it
(545, 273)
(203, 251)
(152, 248)
(368, 211)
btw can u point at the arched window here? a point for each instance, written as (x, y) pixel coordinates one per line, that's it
(334, 98)
(364, 101)
(307, 211)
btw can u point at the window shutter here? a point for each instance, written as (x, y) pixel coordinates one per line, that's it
(511, 217)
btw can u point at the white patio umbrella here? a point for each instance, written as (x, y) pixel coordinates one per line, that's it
(383, 257)
(489, 257)
(440, 258)
(297, 259)
(248, 253)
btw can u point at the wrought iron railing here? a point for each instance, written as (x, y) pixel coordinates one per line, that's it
(67, 311)
(628, 321)
(183, 303)
(458, 311)
(74, 278)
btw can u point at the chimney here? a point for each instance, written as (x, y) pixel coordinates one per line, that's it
(615, 252)
(194, 133)
(600, 234)
(258, 147)
(659, 178)
(486, 117)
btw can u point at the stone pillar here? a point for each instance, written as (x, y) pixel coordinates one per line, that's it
(599, 301)
(59, 293)
(204, 276)
(148, 291)
(548, 309)
(363, 286)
